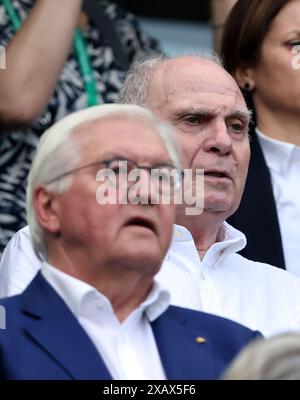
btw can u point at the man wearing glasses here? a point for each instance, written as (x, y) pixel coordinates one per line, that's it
(95, 311)
(202, 269)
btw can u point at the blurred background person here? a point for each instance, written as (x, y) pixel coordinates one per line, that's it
(260, 38)
(57, 61)
(277, 358)
(219, 14)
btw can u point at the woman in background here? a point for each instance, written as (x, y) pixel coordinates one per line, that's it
(58, 61)
(259, 47)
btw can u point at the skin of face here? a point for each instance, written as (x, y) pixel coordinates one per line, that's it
(276, 83)
(92, 241)
(206, 106)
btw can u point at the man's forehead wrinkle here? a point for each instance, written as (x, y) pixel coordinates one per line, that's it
(201, 85)
(173, 79)
(172, 84)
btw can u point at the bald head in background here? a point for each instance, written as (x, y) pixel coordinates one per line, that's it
(205, 104)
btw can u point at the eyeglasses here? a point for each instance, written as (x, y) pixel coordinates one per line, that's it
(122, 173)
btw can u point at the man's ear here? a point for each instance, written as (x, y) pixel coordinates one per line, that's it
(45, 204)
(245, 78)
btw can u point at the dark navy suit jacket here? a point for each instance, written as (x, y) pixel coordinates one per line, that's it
(257, 216)
(43, 340)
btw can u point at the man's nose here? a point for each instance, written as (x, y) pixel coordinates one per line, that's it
(218, 139)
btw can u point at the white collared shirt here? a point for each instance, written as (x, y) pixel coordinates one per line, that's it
(128, 349)
(224, 283)
(254, 294)
(283, 161)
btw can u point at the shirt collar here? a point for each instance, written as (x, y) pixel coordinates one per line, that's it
(74, 292)
(70, 289)
(276, 152)
(232, 241)
(228, 234)
(156, 302)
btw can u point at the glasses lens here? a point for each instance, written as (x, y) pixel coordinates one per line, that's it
(124, 173)
(166, 179)
(119, 173)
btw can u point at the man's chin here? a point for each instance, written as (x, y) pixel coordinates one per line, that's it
(218, 204)
(141, 255)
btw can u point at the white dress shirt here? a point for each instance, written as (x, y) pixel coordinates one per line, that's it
(283, 161)
(257, 295)
(254, 294)
(128, 349)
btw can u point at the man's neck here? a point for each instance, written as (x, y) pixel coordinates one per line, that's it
(127, 293)
(125, 288)
(204, 229)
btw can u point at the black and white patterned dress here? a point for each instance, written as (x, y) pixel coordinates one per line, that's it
(17, 148)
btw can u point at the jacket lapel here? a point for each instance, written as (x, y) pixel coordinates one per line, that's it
(183, 357)
(51, 324)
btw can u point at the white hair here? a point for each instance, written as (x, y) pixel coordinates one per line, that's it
(58, 153)
(277, 358)
(136, 85)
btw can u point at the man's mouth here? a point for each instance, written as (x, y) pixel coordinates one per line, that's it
(142, 222)
(217, 174)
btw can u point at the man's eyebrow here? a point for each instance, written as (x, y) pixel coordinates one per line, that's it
(206, 113)
(243, 114)
(195, 111)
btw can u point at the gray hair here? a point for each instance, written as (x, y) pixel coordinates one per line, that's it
(58, 153)
(135, 87)
(277, 358)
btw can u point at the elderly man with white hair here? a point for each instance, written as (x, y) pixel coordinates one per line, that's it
(95, 311)
(202, 269)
